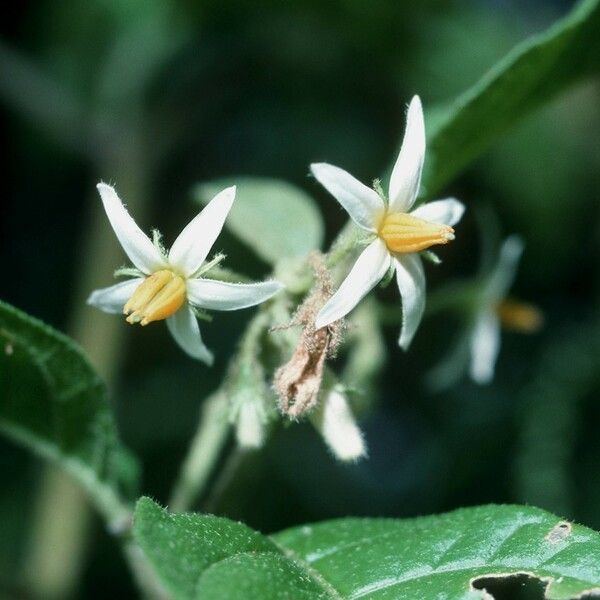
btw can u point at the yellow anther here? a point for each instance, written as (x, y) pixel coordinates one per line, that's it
(159, 296)
(404, 233)
(520, 316)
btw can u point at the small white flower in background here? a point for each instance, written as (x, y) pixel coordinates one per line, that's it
(399, 235)
(495, 310)
(488, 309)
(169, 286)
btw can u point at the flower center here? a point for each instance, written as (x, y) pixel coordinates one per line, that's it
(159, 296)
(520, 316)
(404, 233)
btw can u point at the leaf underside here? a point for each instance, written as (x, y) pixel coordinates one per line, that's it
(451, 556)
(274, 218)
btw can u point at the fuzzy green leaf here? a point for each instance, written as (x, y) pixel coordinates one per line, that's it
(202, 556)
(276, 219)
(451, 556)
(530, 75)
(52, 402)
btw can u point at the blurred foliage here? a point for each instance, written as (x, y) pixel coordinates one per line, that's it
(181, 92)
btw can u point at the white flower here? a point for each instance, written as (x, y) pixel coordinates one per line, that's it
(169, 286)
(399, 235)
(488, 310)
(495, 310)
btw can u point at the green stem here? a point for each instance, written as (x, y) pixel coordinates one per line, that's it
(226, 476)
(203, 454)
(214, 426)
(213, 429)
(342, 245)
(143, 573)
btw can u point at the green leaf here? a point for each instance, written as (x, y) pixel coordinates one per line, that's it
(208, 557)
(52, 402)
(276, 219)
(531, 74)
(451, 556)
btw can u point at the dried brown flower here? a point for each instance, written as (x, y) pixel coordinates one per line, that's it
(298, 382)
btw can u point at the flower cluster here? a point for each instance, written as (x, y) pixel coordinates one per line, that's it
(394, 234)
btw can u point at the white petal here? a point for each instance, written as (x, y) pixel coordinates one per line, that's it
(112, 299)
(411, 283)
(337, 425)
(137, 245)
(444, 212)
(194, 243)
(363, 204)
(505, 271)
(367, 272)
(406, 175)
(219, 295)
(485, 345)
(183, 326)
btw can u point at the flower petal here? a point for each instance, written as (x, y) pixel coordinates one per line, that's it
(411, 283)
(194, 243)
(186, 332)
(485, 345)
(137, 245)
(444, 212)
(505, 271)
(406, 174)
(220, 295)
(367, 272)
(363, 204)
(336, 423)
(112, 299)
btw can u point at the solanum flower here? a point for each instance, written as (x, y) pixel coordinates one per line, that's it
(486, 308)
(494, 309)
(399, 233)
(169, 286)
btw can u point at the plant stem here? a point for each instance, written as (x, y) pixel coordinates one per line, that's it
(57, 545)
(143, 574)
(214, 427)
(203, 454)
(226, 476)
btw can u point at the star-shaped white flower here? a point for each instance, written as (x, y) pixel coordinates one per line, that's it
(170, 285)
(399, 235)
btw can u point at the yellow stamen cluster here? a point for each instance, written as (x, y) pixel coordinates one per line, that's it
(159, 296)
(520, 316)
(404, 233)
